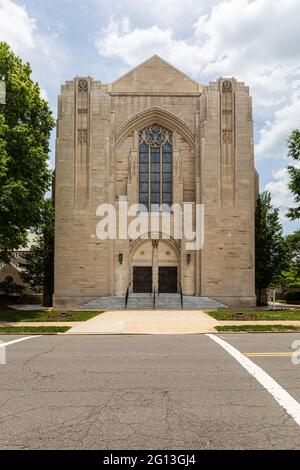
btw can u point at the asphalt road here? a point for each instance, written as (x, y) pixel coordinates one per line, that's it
(145, 392)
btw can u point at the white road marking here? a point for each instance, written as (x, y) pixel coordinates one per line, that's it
(279, 394)
(271, 354)
(3, 345)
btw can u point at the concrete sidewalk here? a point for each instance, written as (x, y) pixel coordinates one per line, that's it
(151, 322)
(158, 322)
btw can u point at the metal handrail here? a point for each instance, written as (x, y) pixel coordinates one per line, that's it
(181, 296)
(127, 296)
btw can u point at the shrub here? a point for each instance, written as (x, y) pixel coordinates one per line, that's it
(292, 296)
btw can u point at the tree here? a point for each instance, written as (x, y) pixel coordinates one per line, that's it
(291, 277)
(9, 287)
(25, 125)
(38, 267)
(294, 173)
(272, 254)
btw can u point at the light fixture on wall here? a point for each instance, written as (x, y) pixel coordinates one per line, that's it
(121, 258)
(189, 258)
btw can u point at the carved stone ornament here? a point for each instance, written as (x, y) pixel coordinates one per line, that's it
(82, 136)
(227, 112)
(227, 86)
(227, 136)
(155, 244)
(155, 136)
(83, 85)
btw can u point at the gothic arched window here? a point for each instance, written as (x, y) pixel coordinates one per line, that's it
(155, 167)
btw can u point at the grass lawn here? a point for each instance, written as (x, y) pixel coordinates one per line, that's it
(255, 315)
(8, 314)
(258, 328)
(33, 330)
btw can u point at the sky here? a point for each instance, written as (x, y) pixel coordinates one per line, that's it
(255, 41)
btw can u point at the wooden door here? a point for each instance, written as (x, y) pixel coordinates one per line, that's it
(168, 280)
(142, 279)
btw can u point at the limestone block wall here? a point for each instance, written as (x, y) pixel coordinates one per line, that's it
(97, 162)
(227, 188)
(155, 76)
(83, 264)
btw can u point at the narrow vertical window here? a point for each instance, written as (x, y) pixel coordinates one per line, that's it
(155, 189)
(167, 174)
(155, 167)
(144, 175)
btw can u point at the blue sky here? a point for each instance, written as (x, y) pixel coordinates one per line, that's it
(256, 41)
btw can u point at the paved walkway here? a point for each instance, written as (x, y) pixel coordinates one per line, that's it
(156, 322)
(159, 322)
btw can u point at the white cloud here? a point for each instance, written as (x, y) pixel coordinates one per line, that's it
(177, 14)
(235, 35)
(282, 198)
(273, 136)
(136, 44)
(44, 94)
(46, 54)
(256, 41)
(16, 27)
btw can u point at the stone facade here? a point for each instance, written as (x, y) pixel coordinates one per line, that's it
(97, 161)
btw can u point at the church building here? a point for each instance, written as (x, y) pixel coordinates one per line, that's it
(155, 136)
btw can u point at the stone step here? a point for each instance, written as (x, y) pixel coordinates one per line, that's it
(145, 301)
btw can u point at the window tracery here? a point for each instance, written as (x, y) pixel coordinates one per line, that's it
(155, 166)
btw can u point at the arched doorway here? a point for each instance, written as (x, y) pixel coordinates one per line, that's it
(155, 264)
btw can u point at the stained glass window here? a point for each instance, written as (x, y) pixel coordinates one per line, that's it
(155, 167)
(144, 175)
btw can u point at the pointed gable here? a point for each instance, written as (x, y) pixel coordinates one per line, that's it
(155, 75)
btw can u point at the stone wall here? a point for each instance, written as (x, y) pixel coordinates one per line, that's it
(97, 162)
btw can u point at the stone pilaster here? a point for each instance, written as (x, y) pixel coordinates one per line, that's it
(82, 141)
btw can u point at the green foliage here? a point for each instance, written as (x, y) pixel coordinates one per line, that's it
(255, 315)
(291, 277)
(272, 252)
(25, 125)
(258, 328)
(32, 330)
(39, 261)
(294, 244)
(294, 173)
(292, 296)
(11, 288)
(24, 316)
